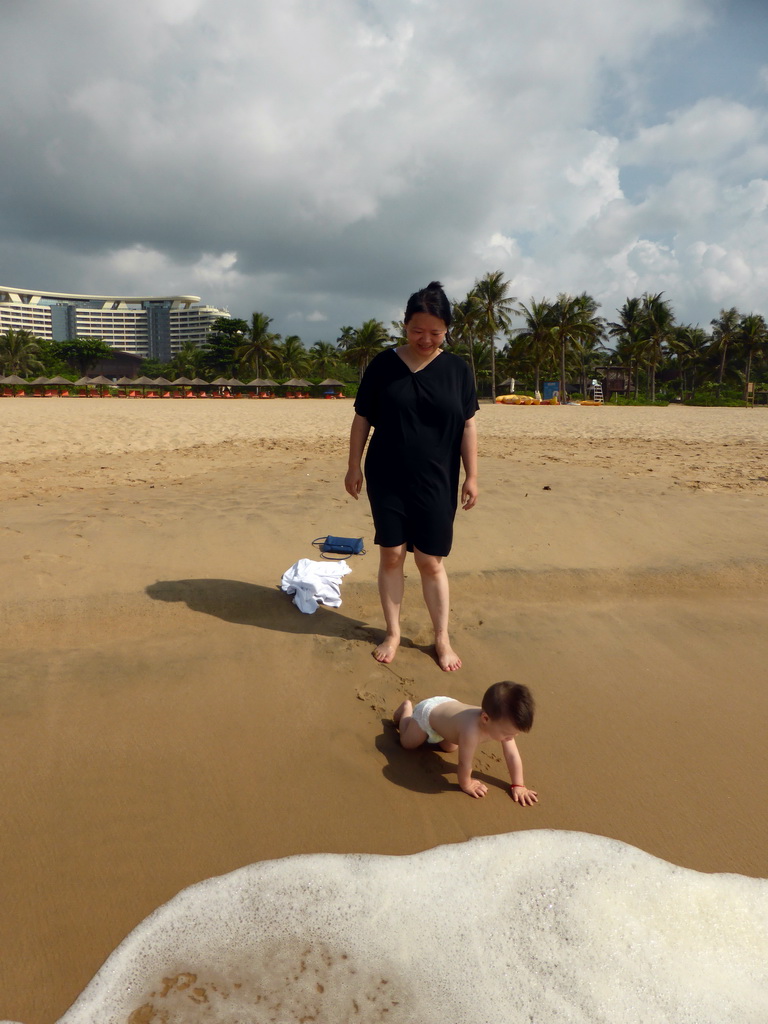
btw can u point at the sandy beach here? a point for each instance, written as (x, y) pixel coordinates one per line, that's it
(167, 715)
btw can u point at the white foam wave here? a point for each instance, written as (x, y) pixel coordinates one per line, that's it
(540, 927)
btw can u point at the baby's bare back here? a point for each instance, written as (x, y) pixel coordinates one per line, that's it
(451, 719)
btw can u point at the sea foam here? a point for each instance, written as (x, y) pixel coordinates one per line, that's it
(536, 927)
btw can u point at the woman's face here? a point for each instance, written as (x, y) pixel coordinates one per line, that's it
(425, 334)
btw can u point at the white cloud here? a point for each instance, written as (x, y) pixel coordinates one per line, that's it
(705, 133)
(325, 160)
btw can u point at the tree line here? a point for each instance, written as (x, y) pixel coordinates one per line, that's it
(565, 339)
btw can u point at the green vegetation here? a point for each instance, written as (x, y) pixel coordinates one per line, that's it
(642, 357)
(26, 355)
(19, 353)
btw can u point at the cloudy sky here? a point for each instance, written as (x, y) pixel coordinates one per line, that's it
(318, 160)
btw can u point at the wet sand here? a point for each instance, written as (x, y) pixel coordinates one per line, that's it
(166, 714)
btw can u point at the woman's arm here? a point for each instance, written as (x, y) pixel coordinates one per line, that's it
(469, 458)
(358, 435)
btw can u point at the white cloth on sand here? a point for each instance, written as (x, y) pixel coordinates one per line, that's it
(314, 583)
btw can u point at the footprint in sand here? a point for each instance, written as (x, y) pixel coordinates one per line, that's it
(373, 700)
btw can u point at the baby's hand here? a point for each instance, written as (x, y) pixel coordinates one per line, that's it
(475, 788)
(523, 795)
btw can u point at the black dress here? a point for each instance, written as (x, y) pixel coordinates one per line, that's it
(413, 460)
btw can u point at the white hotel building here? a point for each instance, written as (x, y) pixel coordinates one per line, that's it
(153, 327)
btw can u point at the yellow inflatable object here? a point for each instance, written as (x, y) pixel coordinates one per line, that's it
(525, 399)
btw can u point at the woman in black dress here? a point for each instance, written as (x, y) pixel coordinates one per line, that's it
(421, 403)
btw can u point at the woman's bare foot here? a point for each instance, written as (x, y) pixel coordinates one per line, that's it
(387, 649)
(405, 710)
(447, 658)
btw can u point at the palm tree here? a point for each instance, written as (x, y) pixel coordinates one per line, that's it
(574, 320)
(536, 335)
(586, 355)
(259, 347)
(465, 328)
(724, 331)
(291, 357)
(323, 358)
(658, 324)
(188, 361)
(629, 331)
(19, 352)
(753, 339)
(689, 345)
(496, 306)
(398, 329)
(361, 344)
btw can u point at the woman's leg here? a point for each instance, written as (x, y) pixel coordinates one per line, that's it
(434, 585)
(391, 585)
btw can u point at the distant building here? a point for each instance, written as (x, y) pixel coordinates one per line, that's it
(152, 327)
(119, 364)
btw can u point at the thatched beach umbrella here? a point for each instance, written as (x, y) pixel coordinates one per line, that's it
(304, 384)
(183, 383)
(266, 382)
(15, 381)
(60, 381)
(102, 382)
(142, 382)
(198, 382)
(39, 382)
(331, 382)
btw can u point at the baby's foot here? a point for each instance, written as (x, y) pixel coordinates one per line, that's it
(447, 658)
(405, 710)
(387, 649)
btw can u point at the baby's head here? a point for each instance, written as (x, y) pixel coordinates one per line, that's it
(510, 702)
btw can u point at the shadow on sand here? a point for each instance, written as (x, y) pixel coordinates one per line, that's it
(250, 604)
(424, 770)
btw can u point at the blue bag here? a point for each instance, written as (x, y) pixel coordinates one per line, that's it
(343, 547)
